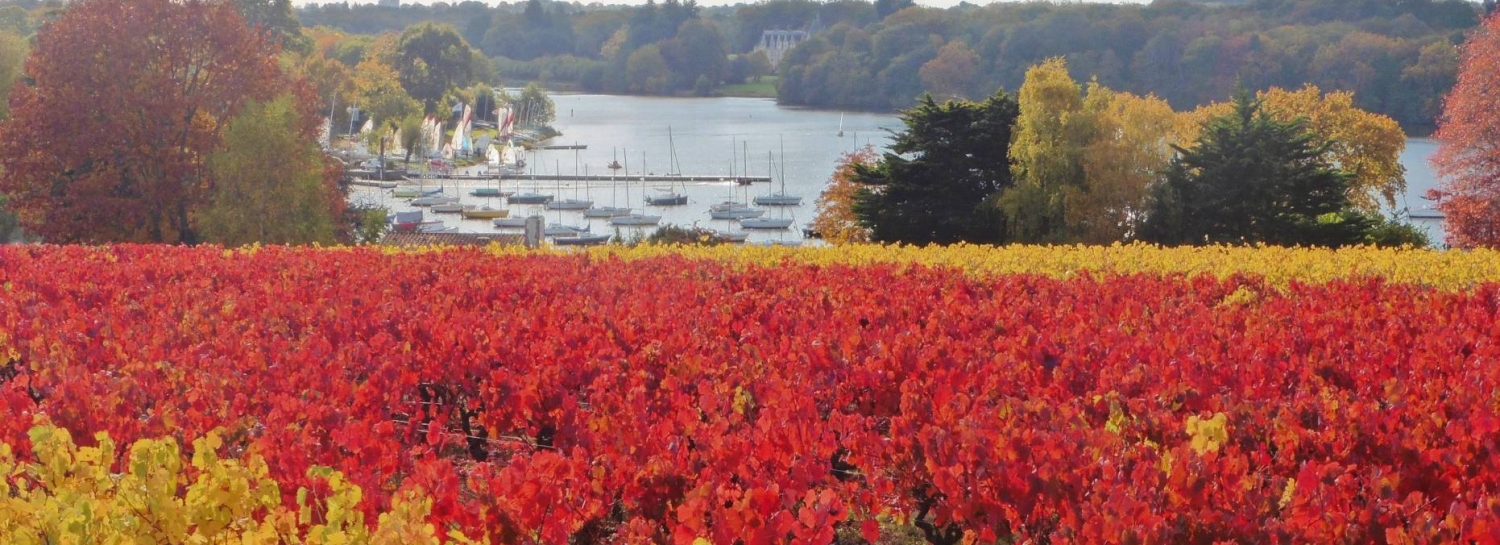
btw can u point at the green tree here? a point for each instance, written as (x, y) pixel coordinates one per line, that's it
(697, 53)
(270, 185)
(276, 21)
(431, 60)
(933, 185)
(13, 51)
(534, 108)
(1254, 179)
(646, 70)
(412, 138)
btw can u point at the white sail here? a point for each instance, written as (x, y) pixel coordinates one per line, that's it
(368, 126)
(457, 144)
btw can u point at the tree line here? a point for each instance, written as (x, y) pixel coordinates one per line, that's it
(1083, 163)
(1399, 58)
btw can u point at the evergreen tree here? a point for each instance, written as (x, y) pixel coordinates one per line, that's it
(1254, 179)
(933, 185)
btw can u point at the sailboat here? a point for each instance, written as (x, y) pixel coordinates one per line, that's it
(731, 209)
(529, 197)
(609, 211)
(779, 198)
(434, 197)
(633, 219)
(486, 211)
(569, 204)
(782, 222)
(670, 198)
(841, 125)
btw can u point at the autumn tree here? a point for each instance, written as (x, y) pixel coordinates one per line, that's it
(952, 73)
(1132, 146)
(1047, 153)
(1365, 145)
(124, 101)
(836, 221)
(378, 90)
(431, 60)
(272, 185)
(1468, 157)
(1252, 178)
(933, 186)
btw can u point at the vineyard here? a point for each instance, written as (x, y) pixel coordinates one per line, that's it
(957, 395)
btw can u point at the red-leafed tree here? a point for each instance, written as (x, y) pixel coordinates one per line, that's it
(109, 140)
(1469, 136)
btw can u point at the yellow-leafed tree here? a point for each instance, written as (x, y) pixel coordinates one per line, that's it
(1365, 145)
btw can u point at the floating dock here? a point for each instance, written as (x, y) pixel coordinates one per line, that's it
(569, 146)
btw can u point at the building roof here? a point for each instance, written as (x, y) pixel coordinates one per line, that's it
(449, 239)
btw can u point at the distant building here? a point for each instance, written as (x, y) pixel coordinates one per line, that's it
(389, 3)
(776, 43)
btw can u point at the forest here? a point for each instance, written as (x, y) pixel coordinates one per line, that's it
(1398, 58)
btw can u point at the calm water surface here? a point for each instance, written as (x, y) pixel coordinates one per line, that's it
(721, 136)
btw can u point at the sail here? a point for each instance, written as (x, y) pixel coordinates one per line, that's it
(466, 143)
(492, 156)
(510, 157)
(396, 148)
(457, 144)
(369, 126)
(436, 128)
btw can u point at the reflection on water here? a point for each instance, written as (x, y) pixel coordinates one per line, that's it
(723, 136)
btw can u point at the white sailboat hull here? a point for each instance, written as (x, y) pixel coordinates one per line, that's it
(635, 220)
(778, 200)
(605, 212)
(737, 214)
(569, 204)
(766, 223)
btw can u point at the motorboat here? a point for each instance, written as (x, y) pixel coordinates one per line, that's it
(509, 223)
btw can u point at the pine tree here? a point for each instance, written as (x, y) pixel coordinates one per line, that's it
(933, 185)
(1254, 179)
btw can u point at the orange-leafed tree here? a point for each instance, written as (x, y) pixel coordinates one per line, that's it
(1468, 157)
(836, 221)
(109, 139)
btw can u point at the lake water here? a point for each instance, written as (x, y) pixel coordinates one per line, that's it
(710, 137)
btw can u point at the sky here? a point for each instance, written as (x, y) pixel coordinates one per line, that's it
(936, 3)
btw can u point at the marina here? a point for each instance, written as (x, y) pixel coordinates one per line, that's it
(705, 136)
